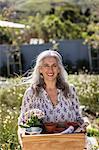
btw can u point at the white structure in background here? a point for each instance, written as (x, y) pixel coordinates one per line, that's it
(11, 24)
(36, 41)
(13, 54)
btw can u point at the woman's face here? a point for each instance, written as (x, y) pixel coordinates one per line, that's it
(49, 68)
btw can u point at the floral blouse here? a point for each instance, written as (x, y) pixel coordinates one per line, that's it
(67, 109)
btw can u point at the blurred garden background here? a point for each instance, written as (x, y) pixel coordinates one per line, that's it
(43, 24)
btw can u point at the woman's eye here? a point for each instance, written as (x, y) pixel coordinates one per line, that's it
(54, 65)
(47, 66)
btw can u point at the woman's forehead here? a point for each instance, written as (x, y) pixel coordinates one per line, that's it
(50, 59)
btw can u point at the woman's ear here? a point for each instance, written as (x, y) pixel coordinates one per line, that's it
(40, 69)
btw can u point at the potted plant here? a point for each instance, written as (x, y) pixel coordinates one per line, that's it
(33, 121)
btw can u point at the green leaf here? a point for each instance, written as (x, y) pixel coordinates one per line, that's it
(24, 126)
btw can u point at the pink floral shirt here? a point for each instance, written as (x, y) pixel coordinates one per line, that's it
(67, 109)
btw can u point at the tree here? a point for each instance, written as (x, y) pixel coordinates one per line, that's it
(92, 35)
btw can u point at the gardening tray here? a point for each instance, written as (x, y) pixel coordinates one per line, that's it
(74, 141)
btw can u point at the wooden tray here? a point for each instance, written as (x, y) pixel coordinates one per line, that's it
(54, 142)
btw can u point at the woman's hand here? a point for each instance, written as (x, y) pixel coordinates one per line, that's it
(20, 133)
(82, 128)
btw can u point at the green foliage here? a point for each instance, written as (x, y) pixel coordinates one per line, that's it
(92, 132)
(69, 20)
(92, 36)
(38, 4)
(88, 90)
(11, 95)
(34, 122)
(8, 128)
(66, 23)
(72, 30)
(53, 27)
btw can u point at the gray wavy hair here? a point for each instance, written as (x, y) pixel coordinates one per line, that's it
(38, 82)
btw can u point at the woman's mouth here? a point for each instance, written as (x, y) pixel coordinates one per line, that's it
(50, 75)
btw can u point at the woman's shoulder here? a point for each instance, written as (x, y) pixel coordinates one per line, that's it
(72, 87)
(29, 91)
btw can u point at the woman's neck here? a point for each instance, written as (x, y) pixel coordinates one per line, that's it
(51, 85)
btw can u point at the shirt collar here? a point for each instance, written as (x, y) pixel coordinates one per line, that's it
(46, 94)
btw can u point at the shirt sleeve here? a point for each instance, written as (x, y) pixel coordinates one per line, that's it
(26, 104)
(76, 105)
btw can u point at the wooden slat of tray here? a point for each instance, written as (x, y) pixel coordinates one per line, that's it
(54, 142)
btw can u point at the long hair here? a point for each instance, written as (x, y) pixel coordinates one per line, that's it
(37, 80)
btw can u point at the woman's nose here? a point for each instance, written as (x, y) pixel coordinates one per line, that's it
(50, 68)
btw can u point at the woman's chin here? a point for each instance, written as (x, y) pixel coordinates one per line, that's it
(51, 78)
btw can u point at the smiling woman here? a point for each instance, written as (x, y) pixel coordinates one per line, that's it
(50, 92)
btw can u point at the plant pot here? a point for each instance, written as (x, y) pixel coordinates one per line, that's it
(33, 130)
(74, 124)
(50, 127)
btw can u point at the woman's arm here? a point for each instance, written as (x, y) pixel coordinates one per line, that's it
(76, 105)
(79, 118)
(26, 106)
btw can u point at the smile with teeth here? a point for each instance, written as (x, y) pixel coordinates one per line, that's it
(50, 74)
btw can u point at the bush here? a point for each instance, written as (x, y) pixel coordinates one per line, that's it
(93, 132)
(12, 94)
(87, 90)
(10, 100)
(8, 128)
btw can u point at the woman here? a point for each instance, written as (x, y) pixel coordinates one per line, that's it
(50, 91)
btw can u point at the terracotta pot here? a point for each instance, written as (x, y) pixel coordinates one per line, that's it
(59, 129)
(74, 124)
(50, 127)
